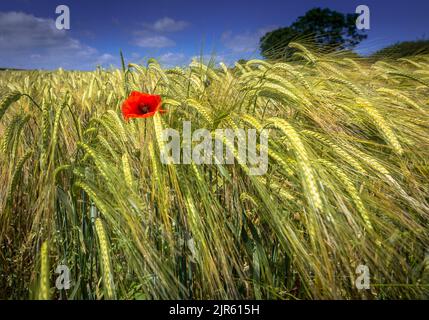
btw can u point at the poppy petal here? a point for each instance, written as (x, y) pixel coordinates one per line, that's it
(141, 105)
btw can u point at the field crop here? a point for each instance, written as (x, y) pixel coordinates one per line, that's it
(347, 182)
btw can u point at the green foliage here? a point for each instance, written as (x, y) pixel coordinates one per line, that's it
(321, 28)
(402, 50)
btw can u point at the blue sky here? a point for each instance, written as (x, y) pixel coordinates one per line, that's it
(175, 31)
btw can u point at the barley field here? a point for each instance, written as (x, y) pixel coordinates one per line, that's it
(347, 182)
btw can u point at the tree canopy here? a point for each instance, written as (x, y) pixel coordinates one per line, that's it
(323, 28)
(403, 49)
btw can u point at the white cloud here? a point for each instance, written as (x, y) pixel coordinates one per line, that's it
(244, 42)
(212, 59)
(171, 59)
(20, 31)
(169, 25)
(106, 59)
(153, 35)
(27, 41)
(154, 41)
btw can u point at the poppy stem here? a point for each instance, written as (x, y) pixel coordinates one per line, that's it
(145, 129)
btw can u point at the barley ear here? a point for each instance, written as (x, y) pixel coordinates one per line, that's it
(7, 100)
(105, 259)
(44, 293)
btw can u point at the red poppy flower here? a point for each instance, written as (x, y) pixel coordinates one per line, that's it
(141, 105)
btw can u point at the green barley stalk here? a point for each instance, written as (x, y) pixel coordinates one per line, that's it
(44, 288)
(105, 260)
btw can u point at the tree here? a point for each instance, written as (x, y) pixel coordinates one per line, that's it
(402, 49)
(322, 28)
